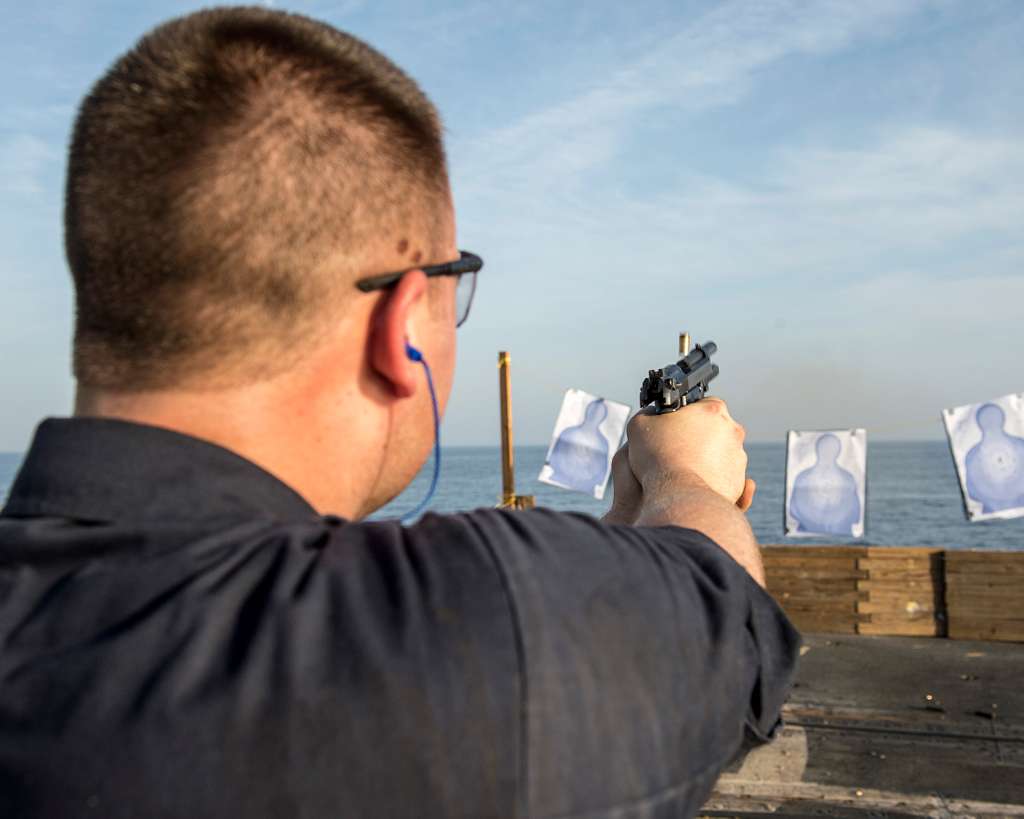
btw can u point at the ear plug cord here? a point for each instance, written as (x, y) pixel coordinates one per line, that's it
(416, 355)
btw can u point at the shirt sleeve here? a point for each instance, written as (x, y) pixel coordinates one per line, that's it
(651, 659)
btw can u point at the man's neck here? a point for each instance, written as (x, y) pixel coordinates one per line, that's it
(291, 435)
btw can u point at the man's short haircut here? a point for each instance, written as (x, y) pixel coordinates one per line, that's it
(214, 171)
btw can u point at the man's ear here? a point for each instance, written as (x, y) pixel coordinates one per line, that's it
(392, 329)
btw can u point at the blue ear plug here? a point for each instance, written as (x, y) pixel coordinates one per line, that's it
(415, 355)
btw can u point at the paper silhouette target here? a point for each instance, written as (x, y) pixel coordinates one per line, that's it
(826, 476)
(987, 441)
(587, 434)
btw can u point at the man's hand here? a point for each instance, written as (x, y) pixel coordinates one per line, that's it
(628, 494)
(700, 442)
(747, 498)
(688, 468)
(627, 498)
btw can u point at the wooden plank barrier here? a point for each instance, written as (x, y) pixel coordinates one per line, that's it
(816, 585)
(905, 592)
(985, 595)
(899, 590)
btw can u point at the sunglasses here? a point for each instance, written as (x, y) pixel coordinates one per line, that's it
(465, 268)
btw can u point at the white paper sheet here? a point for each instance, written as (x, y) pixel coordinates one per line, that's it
(826, 478)
(987, 441)
(587, 434)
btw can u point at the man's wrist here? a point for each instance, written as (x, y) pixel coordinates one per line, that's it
(660, 484)
(619, 513)
(687, 501)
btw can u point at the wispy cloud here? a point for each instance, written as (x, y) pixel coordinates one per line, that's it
(332, 11)
(940, 200)
(708, 63)
(828, 210)
(26, 117)
(23, 161)
(836, 243)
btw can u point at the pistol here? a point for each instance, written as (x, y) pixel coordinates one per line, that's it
(673, 387)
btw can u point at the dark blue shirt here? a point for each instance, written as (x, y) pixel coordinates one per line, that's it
(184, 636)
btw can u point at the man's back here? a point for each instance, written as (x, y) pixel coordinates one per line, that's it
(183, 635)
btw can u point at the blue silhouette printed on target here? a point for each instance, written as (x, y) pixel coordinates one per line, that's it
(587, 433)
(987, 442)
(825, 483)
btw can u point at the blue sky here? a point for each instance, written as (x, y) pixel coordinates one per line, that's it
(832, 191)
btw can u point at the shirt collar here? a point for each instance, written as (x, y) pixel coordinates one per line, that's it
(101, 469)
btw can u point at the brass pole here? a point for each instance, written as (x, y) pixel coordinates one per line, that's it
(509, 498)
(508, 475)
(684, 345)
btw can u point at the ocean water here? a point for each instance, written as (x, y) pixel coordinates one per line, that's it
(913, 494)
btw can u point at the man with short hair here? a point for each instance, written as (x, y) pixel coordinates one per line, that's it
(195, 618)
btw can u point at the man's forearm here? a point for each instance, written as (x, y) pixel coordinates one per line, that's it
(671, 501)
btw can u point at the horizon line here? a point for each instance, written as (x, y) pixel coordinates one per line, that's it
(759, 441)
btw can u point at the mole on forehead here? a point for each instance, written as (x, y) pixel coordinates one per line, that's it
(402, 246)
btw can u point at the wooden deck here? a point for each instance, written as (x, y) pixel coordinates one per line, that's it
(893, 727)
